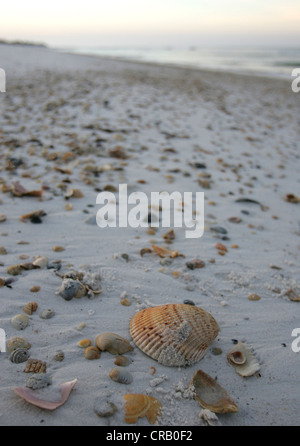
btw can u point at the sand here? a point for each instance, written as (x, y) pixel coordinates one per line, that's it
(60, 117)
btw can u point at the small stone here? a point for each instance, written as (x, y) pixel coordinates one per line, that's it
(14, 270)
(35, 289)
(219, 230)
(3, 251)
(47, 314)
(189, 302)
(217, 351)
(81, 326)
(38, 381)
(104, 408)
(254, 297)
(59, 356)
(58, 249)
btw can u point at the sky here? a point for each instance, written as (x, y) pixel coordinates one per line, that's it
(142, 22)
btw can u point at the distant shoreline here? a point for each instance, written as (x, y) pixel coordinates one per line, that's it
(22, 43)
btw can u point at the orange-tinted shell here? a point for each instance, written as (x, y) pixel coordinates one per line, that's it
(174, 334)
(30, 308)
(139, 406)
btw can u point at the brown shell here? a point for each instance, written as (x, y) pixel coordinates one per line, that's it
(211, 395)
(92, 353)
(174, 334)
(139, 406)
(30, 308)
(35, 366)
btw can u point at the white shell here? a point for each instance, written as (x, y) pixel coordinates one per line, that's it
(41, 262)
(19, 322)
(249, 366)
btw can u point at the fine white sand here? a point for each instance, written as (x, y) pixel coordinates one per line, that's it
(246, 132)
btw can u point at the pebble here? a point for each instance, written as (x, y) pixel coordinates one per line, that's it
(38, 381)
(47, 314)
(104, 408)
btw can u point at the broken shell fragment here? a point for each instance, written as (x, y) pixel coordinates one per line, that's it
(35, 366)
(30, 396)
(19, 322)
(120, 375)
(293, 296)
(41, 262)
(14, 270)
(34, 217)
(30, 308)
(174, 334)
(2, 218)
(113, 343)
(210, 395)
(92, 353)
(243, 360)
(138, 406)
(19, 355)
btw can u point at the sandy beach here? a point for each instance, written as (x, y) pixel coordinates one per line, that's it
(72, 126)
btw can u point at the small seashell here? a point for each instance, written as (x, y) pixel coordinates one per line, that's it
(30, 308)
(3, 251)
(2, 218)
(19, 322)
(122, 361)
(138, 406)
(243, 360)
(59, 356)
(254, 297)
(113, 343)
(58, 249)
(81, 326)
(38, 381)
(211, 395)
(92, 353)
(35, 289)
(104, 408)
(41, 262)
(174, 334)
(126, 302)
(73, 193)
(35, 366)
(14, 270)
(169, 236)
(291, 198)
(84, 343)
(119, 375)
(34, 217)
(19, 355)
(145, 251)
(235, 220)
(68, 207)
(47, 314)
(221, 247)
(293, 296)
(16, 342)
(29, 395)
(197, 263)
(2, 283)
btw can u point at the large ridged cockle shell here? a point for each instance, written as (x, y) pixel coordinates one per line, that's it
(242, 359)
(211, 395)
(174, 334)
(120, 375)
(139, 405)
(113, 343)
(19, 355)
(31, 396)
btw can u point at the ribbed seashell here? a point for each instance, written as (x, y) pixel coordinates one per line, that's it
(243, 360)
(41, 262)
(19, 322)
(174, 334)
(92, 353)
(30, 308)
(138, 406)
(19, 355)
(211, 395)
(120, 375)
(35, 366)
(122, 361)
(113, 343)
(16, 342)
(38, 381)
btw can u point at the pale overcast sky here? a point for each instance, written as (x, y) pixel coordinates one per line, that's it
(151, 21)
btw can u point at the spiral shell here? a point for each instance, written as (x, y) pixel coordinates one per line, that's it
(19, 355)
(30, 308)
(138, 406)
(113, 343)
(211, 395)
(174, 334)
(19, 322)
(121, 376)
(16, 342)
(92, 353)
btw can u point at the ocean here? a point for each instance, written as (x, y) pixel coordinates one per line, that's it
(276, 62)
